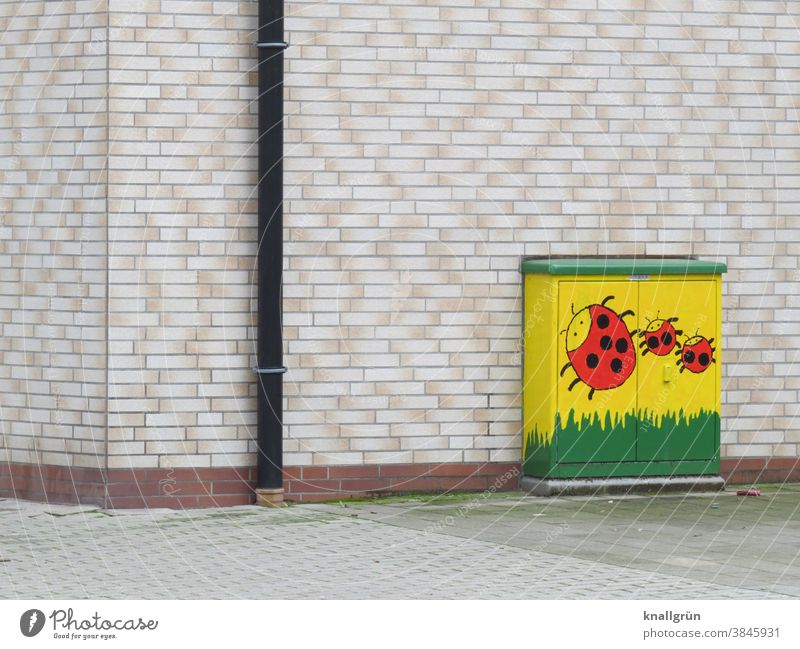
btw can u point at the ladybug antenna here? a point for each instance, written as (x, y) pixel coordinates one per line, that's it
(572, 307)
(603, 303)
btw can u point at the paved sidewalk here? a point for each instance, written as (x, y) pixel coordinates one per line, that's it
(505, 546)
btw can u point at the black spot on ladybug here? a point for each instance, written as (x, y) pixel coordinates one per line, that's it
(593, 360)
(666, 338)
(621, 345)
(652, 342)
(703, 358)
(688, 357)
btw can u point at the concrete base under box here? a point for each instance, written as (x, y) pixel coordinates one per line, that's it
(591, 486)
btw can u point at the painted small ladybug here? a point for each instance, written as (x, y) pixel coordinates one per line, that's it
(697, 354)
(599, 347)
(660, 337)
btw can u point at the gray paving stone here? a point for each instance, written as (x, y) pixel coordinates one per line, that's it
(503, 548)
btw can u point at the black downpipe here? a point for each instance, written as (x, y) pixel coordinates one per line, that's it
(270, 369)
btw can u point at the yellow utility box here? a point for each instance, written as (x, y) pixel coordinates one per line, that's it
(621, 368)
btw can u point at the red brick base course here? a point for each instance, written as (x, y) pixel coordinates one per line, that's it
(316, 483)
(748, 470)
(129, 488)
(180, 488)
(220, 487)
(47, 483)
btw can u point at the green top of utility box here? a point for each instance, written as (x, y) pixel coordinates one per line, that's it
(621, 266)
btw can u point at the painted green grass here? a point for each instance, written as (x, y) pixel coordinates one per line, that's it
(679, 423)
(647, 423)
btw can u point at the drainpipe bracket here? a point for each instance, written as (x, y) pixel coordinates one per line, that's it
(271, 45)
(269, 497)
(270, 370)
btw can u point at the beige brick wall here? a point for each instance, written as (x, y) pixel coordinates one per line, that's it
(53, 143)
(182, 232)
(429, 146)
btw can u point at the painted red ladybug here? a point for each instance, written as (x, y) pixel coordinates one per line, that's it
(660, 337)
(697, 355)
(599, 347)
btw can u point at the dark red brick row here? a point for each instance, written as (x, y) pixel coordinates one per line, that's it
(175, 488)
(219, 487)
(180, 501)
(760, 469)
(48, 483)
(339, 482)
